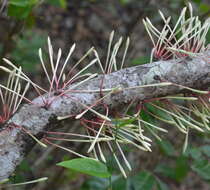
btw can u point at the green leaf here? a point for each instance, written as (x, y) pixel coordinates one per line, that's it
(122, 123)
(166, 147)
(120, 183)
(19, 12)
(124, 2)
(25, 52)
(161, 185)
(95, 183)
(197, 1)
(158, 112)
(141, 60)
(58, 3)
(20, 3)
(87, 166)
(195, 153)
(202, 168)
(166, 170)
(24, 166)
(63, 4)
(143, 181)
(182, 168)
(30, 21)
(146, 117)
(208, 37)
(206, 150)
(178, 173)
(204, 8)
(21, 9)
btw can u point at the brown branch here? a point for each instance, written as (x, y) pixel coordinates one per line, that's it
(15, 144)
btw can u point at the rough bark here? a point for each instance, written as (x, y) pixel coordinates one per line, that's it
(15, 144)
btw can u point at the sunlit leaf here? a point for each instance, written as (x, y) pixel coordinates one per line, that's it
(86, 166)
(21, 9)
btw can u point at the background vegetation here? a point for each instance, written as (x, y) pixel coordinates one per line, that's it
(24, 27)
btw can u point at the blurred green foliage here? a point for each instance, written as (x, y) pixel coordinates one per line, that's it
(86, 166)
(140, 60)
(26, 51)
(58, 3)
(21, 9)
(195, 159)
(143, 180)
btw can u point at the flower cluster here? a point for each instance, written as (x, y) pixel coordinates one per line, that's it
(11, 95)
(187, 37)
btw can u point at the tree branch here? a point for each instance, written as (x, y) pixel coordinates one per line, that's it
(15, 143)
